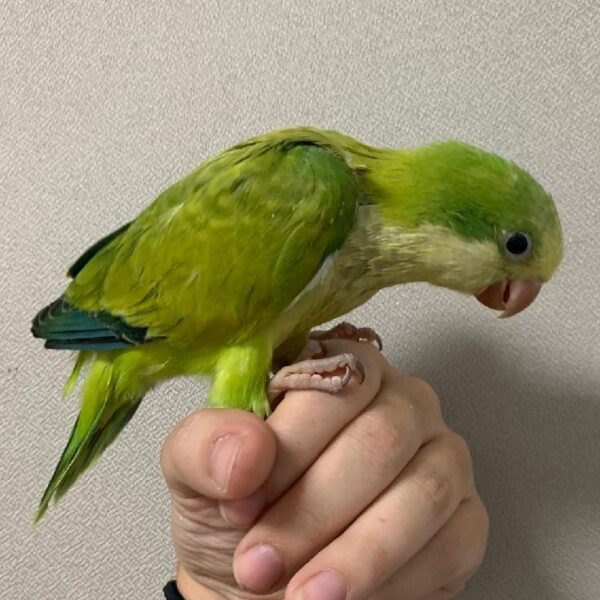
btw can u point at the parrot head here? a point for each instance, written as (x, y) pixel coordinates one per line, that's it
(485, 226)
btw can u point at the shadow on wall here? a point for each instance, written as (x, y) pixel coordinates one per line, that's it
(534, 435)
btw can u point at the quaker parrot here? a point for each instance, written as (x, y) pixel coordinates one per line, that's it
(227, 272)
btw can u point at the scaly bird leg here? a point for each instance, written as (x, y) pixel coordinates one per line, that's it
(330, 374)
(347, 331)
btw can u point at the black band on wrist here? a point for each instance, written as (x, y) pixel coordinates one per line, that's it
(171, 592)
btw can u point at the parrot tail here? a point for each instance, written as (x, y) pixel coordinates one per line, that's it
(112, 392)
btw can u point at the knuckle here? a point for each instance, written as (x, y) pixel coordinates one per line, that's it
(426, 389)
(454, 556)
(479, 536)
(485, 522)
(437, 488)
(460, 451)
(463, 552)
(427, 397)
(452, 590)
(419, 396)
(482, 516)
(378, 435)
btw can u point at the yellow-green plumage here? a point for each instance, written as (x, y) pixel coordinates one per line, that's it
(234, 264)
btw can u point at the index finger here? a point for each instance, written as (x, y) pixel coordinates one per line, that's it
(305, 422)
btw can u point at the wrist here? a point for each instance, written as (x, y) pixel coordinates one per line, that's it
(191, 589)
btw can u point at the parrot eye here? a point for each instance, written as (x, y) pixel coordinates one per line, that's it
(517, 245)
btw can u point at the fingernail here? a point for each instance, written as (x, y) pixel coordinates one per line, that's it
(259, 568)
(243, 512)
(326, 585)
(224, 452)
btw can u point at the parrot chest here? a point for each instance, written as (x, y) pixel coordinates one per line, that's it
(344, 281)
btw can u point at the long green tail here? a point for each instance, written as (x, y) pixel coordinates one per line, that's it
(111, 394)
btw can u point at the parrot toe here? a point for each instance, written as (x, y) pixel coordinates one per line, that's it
(330, 374)
(347, 331)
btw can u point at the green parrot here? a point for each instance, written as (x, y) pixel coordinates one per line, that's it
(227, 272)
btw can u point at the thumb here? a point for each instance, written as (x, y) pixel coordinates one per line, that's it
(217, 453)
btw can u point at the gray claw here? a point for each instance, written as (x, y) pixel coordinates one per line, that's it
(347, 376)
(377, 338)
(361, 371)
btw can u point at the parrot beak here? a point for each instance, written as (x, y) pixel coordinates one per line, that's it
(511, 297)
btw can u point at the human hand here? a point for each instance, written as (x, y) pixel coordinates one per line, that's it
(363, 495)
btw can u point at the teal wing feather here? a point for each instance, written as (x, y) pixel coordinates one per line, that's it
(222, 253)
(65, 327)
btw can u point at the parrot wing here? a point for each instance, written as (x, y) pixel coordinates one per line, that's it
(217, 256)
(85, 258)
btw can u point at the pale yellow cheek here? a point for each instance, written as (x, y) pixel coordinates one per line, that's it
(448, 260)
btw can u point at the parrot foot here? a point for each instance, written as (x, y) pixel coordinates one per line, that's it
(347, 331)
(330, 374)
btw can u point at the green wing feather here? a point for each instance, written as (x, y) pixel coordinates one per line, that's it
(220, 254)
(85, 258)
(216, 258)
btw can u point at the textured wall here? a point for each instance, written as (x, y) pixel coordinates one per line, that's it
(104, 104)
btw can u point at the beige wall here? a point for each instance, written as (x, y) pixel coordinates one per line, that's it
(102, 106)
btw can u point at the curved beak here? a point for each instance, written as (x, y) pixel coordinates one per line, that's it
(511, 297)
